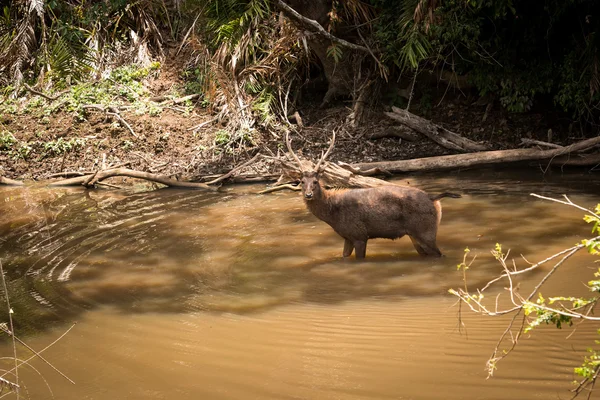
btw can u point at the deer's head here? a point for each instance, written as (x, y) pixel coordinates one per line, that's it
(311, 185)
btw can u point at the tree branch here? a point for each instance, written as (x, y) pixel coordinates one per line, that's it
(317, 28)
(8, 181)
(90, 180)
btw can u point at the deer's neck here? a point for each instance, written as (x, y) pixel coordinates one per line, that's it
(322, 206)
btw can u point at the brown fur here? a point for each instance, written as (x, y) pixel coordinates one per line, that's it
(388, 212)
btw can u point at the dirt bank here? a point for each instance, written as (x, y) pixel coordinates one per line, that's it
(187, 142)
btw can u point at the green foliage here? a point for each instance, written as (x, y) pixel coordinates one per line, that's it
(7, 140)
(264, 104)
(518, 50)
(335, 51)
(222, 137)
(61, 146)
(230, 19)
(22, 151)
(544, 316)
(591, 363)
(463, 265)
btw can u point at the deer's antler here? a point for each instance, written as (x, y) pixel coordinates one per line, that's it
(289, 146)
(323, 157)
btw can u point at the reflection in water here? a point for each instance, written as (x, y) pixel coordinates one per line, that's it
(245, 296)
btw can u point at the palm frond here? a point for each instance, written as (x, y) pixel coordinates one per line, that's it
(37, 6)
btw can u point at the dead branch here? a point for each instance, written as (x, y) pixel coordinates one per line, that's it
(401, 132)
(196, 127)
(90, 180)
(491, 157)
(367, 172)
(333, 175)
(227, 175)
(11, 182)
(51, 98)
(315, 27)
(280, 187)
(164, 100)
(113, 112)
(438, 134)
(532, 142)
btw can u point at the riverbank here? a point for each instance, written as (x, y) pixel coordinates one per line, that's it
(164, 132)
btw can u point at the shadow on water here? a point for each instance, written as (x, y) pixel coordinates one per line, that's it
(66, 251)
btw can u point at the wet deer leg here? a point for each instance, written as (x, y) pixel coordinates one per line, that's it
(360, 248)
(348, 248)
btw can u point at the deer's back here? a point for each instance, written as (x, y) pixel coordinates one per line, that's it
(381, 212)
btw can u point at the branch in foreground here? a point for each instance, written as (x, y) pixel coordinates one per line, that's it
(550, 311)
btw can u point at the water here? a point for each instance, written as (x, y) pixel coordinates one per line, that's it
(233, 295)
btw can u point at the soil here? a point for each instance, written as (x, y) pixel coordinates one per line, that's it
(168, 144)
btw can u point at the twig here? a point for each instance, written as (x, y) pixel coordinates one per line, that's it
(36, 354)
(568, 202)
(210, 121)
(10, 333)
(540, 143)
(116, 115)
(227, 175)
(522, 271)
(51, 98)
(280, 187)
(113, 112)
(10, 321)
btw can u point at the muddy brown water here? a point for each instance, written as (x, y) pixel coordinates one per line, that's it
(192, 295)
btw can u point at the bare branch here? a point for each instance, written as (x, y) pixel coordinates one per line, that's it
(317, 28)
(89, 180)
(227, 175)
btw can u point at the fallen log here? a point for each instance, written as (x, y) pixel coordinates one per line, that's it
(401, 132)
(11, 182)
(438, 134)
(92, 179)
(489, 157)
(333, 175)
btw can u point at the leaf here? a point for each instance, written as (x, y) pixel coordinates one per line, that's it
(334, 51)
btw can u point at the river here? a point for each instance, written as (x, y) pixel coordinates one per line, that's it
(234, 295)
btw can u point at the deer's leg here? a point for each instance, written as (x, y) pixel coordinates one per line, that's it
(348, 248)
(360, 249)
(425, 247)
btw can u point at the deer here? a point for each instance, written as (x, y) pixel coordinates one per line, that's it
(357, 215)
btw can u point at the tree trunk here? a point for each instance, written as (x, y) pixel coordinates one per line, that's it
(561, 156)
(341, 74)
